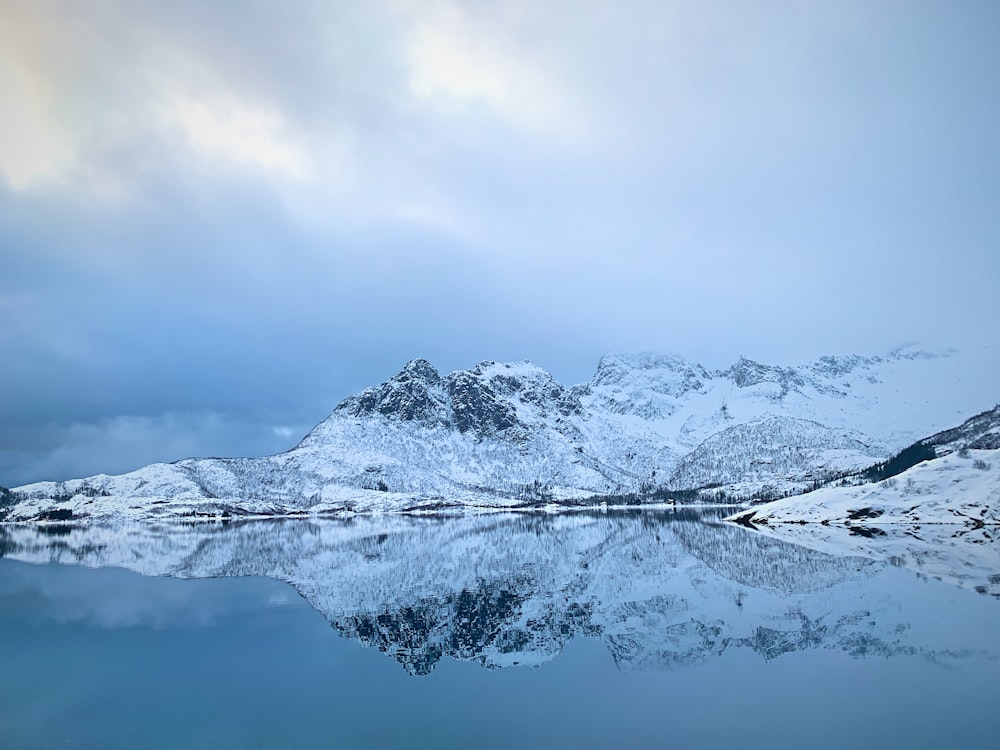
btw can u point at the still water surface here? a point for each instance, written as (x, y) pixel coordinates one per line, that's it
(642, 630)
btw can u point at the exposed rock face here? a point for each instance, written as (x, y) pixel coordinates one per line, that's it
(476, 407)
(745, 373)
(480, 401)
(412, 395)
(981, 432)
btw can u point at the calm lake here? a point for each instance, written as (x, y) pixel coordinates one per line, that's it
(652, 629)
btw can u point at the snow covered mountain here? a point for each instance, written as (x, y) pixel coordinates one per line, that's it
(748, 458)
(660, 590)
(509, 435)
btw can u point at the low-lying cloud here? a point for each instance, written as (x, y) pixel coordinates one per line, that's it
(119, 444)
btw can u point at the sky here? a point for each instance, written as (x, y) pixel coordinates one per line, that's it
(219, 219)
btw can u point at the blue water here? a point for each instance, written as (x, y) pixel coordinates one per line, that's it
(828, 653)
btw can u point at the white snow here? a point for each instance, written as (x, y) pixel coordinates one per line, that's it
(961, 488)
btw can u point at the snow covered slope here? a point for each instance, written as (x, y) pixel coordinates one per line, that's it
(960, 488)
(773, 451)
(508, 434)
(961, 485)
(892, 399)
(981, 432)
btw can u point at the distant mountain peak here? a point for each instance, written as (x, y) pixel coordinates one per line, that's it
(746, 372)
(489, 399)
(476, 407)
(834, 366)
(645, 360)
(623, 376)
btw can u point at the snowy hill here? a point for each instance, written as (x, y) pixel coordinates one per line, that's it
(960, 488)
(508, 435)
(772, 451)
(958, 485)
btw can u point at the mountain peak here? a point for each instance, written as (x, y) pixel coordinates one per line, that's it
(420, 369)
(835, 366)
(493, 399)
(746, 372)
(645, 361)
(412, 394)
(615, 368)
(643, 384)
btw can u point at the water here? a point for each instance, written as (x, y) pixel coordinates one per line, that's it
(628, 630)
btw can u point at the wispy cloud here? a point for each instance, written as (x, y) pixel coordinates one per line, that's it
(466, 59)
(220, 127)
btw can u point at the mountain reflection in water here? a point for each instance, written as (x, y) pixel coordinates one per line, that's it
(660, 589)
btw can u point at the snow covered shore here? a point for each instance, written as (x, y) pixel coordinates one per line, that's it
(961, 488)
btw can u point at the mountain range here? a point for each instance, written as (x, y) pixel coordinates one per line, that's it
(508, 435)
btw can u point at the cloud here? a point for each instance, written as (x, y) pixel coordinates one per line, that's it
(283, 432)
(223, 128)
(116, 445)
(256, 213)
(460, 59)
(33, 149)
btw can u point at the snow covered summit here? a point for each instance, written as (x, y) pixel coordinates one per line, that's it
(489, 401)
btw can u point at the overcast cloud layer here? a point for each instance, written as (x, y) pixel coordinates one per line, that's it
(219, 219)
